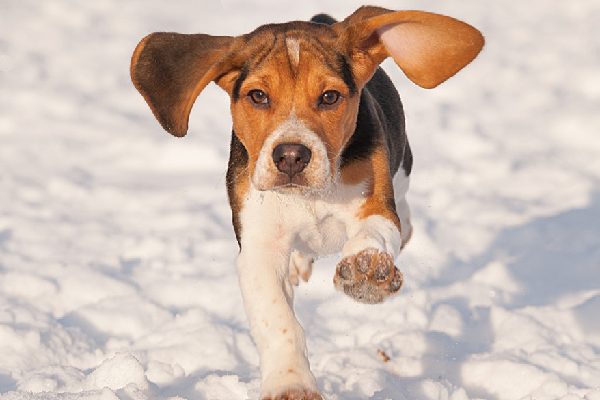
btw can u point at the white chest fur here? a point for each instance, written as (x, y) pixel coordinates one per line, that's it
(273, 225)
(315, 225)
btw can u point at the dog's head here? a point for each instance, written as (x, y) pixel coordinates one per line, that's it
(295, 87)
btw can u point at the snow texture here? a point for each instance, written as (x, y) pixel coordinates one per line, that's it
(117, 275)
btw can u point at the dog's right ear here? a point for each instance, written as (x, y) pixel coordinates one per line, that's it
(171, 69)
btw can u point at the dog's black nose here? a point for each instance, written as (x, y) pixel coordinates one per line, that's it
(291, 158)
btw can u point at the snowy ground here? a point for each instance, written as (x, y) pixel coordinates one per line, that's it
(116, 251)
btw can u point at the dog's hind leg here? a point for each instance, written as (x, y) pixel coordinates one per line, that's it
(300, 267)
(401, 183)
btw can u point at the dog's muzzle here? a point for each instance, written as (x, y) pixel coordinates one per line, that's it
(291, 158)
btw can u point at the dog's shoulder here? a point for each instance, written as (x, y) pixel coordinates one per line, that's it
(380, 118)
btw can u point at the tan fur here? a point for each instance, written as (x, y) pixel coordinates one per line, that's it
(357, 172)
(381, 196)
(429, 48)
(380, 191)
(293, 89)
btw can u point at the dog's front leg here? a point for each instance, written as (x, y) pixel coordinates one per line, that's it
(376, 233)
(268, 296)
(367, 272)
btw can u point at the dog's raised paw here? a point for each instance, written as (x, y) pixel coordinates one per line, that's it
(296, 394)
(369, 276)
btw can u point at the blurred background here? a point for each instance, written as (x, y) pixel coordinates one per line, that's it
(117, 253)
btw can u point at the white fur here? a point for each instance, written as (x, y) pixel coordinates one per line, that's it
(274, 226)
(374, 232)
(300, 267)
(293, 49)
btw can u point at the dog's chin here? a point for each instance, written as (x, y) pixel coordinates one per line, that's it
(291, 188)
(297, 185)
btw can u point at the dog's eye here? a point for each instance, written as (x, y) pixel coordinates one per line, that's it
(329, 98)
(258, 97)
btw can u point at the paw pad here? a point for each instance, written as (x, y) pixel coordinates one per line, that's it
(368, 277)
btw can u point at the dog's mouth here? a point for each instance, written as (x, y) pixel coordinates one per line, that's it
(285, 184)
(290, 188)
(300, 184)
(285, 181)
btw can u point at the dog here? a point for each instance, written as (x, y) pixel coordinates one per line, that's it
(319, 160)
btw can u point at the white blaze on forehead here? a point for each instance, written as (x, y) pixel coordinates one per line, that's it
(293, 49)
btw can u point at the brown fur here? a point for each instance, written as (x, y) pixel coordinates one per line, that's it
(357, 172)
(171, 69)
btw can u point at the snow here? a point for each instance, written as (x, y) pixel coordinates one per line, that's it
(117, 274)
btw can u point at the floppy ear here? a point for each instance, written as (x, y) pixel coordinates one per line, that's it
(428, 47)
(171, 69)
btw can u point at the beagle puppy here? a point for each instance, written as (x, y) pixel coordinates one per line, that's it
(319, 159)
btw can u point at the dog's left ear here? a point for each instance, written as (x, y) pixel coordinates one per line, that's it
(428, 47)
(171, 69)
